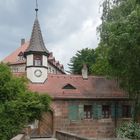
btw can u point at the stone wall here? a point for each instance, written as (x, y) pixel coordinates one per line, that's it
(62, 135)
(19, 137)
(84, 127)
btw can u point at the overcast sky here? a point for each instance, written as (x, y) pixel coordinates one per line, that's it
(66, 25)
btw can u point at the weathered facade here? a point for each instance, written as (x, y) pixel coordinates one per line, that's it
(89, 106)
(92, 107)
(72, 117)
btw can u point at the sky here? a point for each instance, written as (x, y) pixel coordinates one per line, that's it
(67, 25)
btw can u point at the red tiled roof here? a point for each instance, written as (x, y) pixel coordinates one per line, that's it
(93, 88)
(12, 58)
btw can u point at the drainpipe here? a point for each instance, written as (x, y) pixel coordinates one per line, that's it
(115, 123)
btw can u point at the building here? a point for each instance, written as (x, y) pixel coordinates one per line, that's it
(91, 106)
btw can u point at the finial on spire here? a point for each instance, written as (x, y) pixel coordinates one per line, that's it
(36, 9)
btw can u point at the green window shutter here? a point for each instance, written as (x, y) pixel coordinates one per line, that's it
(113, 110)
(81, 112)
(73, 112)
(95, 111)
(132, 111)
(99, 111)
(119, 110)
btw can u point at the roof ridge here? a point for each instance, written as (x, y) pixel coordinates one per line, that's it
(68, 75)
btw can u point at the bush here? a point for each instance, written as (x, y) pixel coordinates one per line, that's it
(18, 105)
(129, 130)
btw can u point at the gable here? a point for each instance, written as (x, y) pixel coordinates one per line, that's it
(68, 86)
(20, 54)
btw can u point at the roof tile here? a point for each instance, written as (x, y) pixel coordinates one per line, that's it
(95, 87)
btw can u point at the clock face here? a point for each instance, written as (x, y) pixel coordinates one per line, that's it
(38, 73)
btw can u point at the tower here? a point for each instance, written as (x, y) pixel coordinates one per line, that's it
(36, 55)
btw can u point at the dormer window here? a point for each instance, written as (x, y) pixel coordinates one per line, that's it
(37, 60)
(68, 86)
(20, 56)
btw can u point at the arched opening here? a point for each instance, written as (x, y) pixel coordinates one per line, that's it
(45, 126)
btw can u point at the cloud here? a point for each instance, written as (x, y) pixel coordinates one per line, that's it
(67, 25)
(85, 37)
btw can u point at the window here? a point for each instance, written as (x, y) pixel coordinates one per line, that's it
(105, 111)
(37, 60)
(15, 69)
(21, 56)
(49, 69)
(53, 71)
(126, 111)
(73, 112)
(87, 111)
(68, 86)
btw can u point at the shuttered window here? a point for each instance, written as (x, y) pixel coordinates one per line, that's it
(73, 112)
(119, 110)
(105, 111)
(81, 112)
(87, 111)
(97, 111)
(126, 111)
(113, 110)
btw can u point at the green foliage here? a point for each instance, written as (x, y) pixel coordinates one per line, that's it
(18, 105)
(101, 66)
(129, 130)
(120, 35)
(84, 56)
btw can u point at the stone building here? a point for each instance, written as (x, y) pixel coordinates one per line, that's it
(91, 106)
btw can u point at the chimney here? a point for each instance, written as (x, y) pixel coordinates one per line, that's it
(22, 41)
(85, 72)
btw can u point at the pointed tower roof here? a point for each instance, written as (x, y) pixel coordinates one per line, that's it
(36, 44)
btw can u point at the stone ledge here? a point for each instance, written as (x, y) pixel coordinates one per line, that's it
(19, 137)
(62, 135)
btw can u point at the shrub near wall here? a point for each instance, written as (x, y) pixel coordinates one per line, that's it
(129, 130)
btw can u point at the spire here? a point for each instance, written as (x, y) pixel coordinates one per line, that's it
(36, 44)
(36, 9)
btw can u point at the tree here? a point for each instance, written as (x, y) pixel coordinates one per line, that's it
(84, 56)
(120, 33)
(18, 105)
(101, 66)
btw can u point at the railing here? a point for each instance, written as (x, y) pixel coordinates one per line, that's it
(61, 135)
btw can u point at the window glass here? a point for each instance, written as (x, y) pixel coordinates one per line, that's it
(126, 113)
(87, 111)
(105, 111)
(15, 69)
(37, 60)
